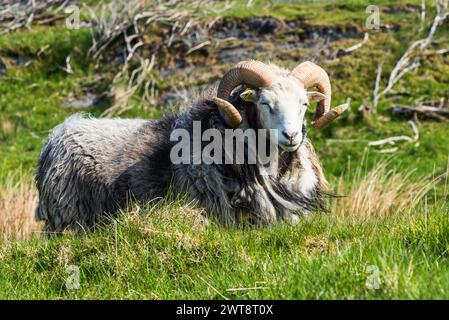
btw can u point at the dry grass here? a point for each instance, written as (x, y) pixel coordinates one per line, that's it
(145, 36)
(17, 204)
(379, 192)
(382, 191)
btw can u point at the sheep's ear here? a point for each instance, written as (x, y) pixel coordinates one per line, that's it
(249, 95)
(314, 96)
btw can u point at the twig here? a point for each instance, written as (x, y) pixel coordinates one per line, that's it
(121, 24)
(414, 129)
(442, 51)
(423, 13)
(21, 14)
(348, 102)
(430, 111)
(393, 140)
(410, 59)
(358, 45)
(389, 150)
(376, 87)
(213, 288)
(345, 51)
(205, 43)
(68, 67)
(246, 289)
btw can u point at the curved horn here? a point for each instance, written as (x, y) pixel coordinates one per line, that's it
(253, 73)
(311, 75)
(330, 116)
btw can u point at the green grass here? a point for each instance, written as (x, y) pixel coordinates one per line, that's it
(31, 95)
(321, 13)
(166, 251)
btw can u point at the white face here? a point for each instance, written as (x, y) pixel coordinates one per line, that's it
(282, 107)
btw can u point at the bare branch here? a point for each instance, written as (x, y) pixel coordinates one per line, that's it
(21, 14)
(358, 45)
(423, 110)
(342, 52)
(393, 140)
(376, 87)
(423, 12)
(410, 59)
(197, 47)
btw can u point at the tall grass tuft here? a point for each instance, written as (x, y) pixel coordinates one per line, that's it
(382, 191)
(18, 199)
(378, 192)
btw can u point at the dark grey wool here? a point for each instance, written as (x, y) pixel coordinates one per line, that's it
(91, 168)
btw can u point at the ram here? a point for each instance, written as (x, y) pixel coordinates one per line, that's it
(91, 168)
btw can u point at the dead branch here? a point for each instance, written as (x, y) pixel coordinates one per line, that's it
(421, 110)
(414, 129)
(439, 103)
(68, 68)
(423, 12)
(114, 21)
(389, 150)
(442, 51)
(358, 45)
(21, 14)
(354, 47)
(119, 29)
(410, 59)
(393, 140)
(197, 47)
(376, 87)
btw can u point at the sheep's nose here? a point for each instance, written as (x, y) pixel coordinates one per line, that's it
(290, 135)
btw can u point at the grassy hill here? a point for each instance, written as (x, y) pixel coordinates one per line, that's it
(387, 237)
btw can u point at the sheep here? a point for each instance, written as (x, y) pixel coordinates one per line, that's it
(90, 169)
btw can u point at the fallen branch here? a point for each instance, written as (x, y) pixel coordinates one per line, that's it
(393, 140)
(376, 87)
(112, 22)
(119, 33)
(410, 60)
(423, 12)
(442, 51)
(389, 150)
(21, 14)
(343, 52)
(422, 110)
(197, 47)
